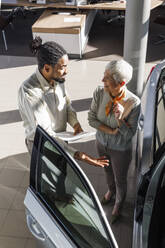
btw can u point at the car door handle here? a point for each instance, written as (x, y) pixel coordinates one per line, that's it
(34, 228)
(141, 122)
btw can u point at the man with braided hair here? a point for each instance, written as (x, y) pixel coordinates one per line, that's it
(43, 101)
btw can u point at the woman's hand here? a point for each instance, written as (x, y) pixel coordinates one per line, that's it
(118, 110)
(107, 129)
(99, 162)
(77, 128)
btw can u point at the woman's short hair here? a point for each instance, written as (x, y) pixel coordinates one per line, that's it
(48, 53)
(120, 70)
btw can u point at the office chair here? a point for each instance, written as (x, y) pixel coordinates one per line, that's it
(119, 17)
(25, 10)
(110, 17)
(5, 21)
(160, 20)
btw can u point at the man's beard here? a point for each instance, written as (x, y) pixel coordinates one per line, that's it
(59, 80)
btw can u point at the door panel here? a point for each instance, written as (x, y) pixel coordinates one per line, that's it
(61, 187)
(46, 231)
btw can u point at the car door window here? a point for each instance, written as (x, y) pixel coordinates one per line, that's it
(160, 113)
(64, 193)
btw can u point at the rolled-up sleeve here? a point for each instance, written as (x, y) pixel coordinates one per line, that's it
(92, 114)
(71, 113)
(65, 146)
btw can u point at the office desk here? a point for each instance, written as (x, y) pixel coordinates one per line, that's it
(115, 5)
(70, 31)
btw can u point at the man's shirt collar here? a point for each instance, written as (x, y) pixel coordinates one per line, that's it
(43, 82)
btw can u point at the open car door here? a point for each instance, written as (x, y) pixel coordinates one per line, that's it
(62, 208)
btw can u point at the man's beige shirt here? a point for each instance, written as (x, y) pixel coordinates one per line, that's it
(49, 107)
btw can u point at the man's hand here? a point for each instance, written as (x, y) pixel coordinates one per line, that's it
(77, 128)
(100, 162)
(118, 110)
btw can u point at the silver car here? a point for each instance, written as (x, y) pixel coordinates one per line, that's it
(149, 225)
(70, 215)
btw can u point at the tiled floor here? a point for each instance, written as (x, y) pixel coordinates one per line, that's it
(14, 166)
(83, 77)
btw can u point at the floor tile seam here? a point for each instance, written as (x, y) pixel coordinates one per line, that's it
(19, 185)
(17, 238)
(15, 158)
(2, 225)
(23, 177)
(16, 210)
(16, 168)
(6, 166)
(12, 204)
(11, 187)
(1, 169)
(5, 162)
(11, 209)
(13, 237)
(26, 239)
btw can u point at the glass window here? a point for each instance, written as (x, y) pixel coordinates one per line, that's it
(160, 115)
(69, 199)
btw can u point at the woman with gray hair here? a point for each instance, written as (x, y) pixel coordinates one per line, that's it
(114, 112)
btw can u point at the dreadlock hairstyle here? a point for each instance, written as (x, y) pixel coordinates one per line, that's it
(48, 53)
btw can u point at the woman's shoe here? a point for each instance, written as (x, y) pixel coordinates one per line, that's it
(115, 218)
(105, 201)
(116, 213)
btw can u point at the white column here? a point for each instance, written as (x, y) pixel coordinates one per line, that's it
(135, 40)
